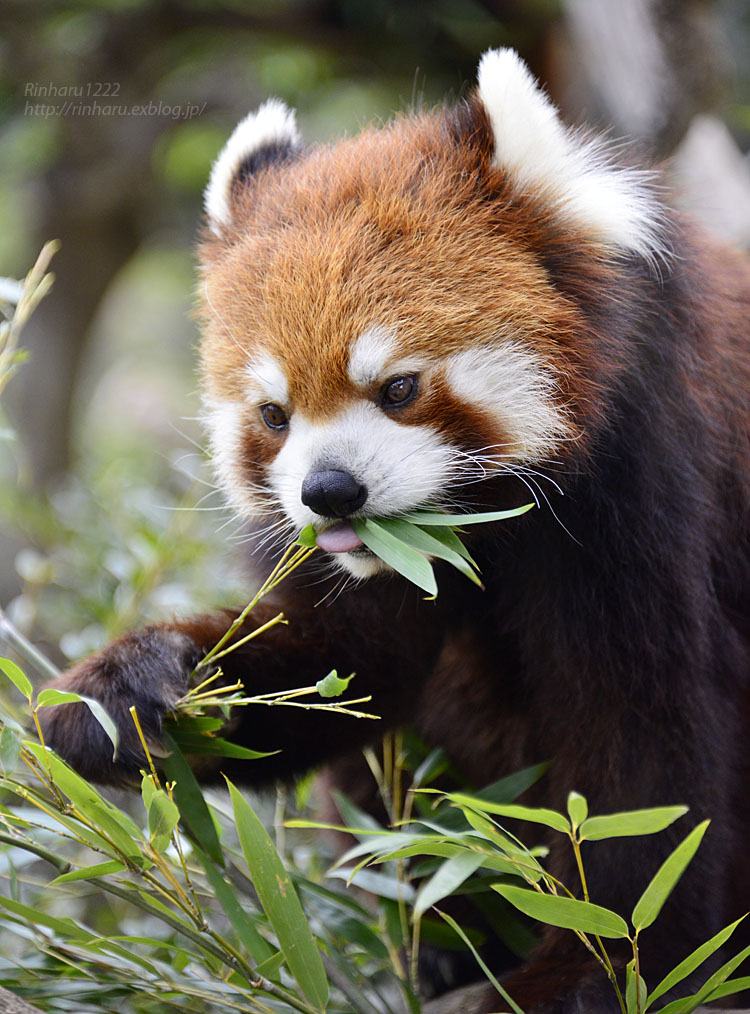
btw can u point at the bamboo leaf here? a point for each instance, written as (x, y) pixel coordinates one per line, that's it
(712, 989)
(407, 561)
(730, 987)
(333, 685)
(692, 961)
(307, 537)
(536, 815)
(436, 518)
(194, 810)
(280, 902)
(91, 872)
(449, 538)
(50, 697)
(163, 817)
(650, 903)
(569, 913)
(578, 808)
(65, 927)
(443, 850)
(451, 874)
(105, 818)
(252, 941)
(18, 677)
(425, 542)
(381, 884)
(10, 749)
(635, 990)
(521, 861)
(630, 823)
(505, 790)
(213, 746)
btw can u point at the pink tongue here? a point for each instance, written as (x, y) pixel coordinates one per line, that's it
(340, 539)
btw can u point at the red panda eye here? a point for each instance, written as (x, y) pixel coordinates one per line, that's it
(274, 417)
(398, 391)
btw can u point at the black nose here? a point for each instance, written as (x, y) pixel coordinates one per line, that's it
(333, 493)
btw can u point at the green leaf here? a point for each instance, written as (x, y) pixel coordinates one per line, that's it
(194, 810)
(18, 677)
(425, 542)
(381, 884)
(333, 685)
(65, 927)
(450, 875)
(443, 850)
(104, 817)
(730, 987)
(693, 961)
(354, 817)
(79, 830)
(163, 817)
(433, 765)
(252, 941)
(716, 981)
(635, 990)
(148, 788)
(103, 718)
(436, 518)
(630, 823)
(710, 990)
(307, 537)
(280, 902)
(505, 790)
(650, 903)
(213, 746)
(536, 815)
(578, 808)
(521, 861)
(50, 697)
(10, 749)
(91, 872)
(449, 538)
(407, 561)
(457, 929)
(271, 965)
(199, 724)
(343, 919)
(569, 913)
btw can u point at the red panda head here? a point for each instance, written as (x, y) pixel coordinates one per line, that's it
(382, 325)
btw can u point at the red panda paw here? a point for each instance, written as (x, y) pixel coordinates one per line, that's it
(147, 669)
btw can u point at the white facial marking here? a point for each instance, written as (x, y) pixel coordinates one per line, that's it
(223, 423)
(267, 380)
(369, 354)
(272, 123)
(575, 173)
(509, 383)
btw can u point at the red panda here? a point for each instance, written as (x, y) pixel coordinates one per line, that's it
(467, 308)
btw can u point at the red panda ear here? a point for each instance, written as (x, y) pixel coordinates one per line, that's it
(573, 172)
(264, 137)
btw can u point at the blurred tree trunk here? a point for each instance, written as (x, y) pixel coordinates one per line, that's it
(98, 238)
(12, 1004)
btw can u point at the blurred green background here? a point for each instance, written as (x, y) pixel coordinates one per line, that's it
(110, 116)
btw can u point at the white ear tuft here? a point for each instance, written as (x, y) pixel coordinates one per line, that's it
(272, 127)
(575, 174)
